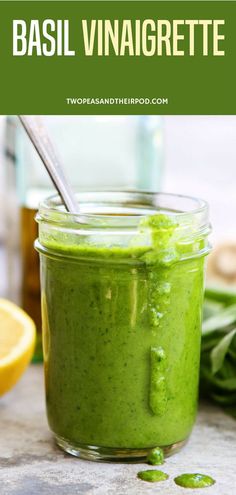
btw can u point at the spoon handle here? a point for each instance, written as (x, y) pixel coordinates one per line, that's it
(43, 145)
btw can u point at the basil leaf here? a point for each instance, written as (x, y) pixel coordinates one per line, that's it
(218, 348)
(225, 400)
(228, 370)
(225, 318)
(223, 295)
(211, 308)
(211, 341)
(228, 384)
(219, 352)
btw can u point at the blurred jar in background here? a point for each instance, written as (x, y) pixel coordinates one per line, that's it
(98, 152)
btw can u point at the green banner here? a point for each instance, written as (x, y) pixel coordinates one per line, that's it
(132, 57)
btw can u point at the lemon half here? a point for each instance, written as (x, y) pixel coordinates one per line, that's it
(17, 342)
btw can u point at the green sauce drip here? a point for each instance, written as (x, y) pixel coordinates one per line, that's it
(194, 480)
(158, 392)
(152, 475)
(163, 251)
(156, 456)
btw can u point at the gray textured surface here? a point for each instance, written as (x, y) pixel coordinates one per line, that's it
(31, 464)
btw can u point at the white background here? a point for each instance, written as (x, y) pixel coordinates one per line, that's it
(201, 160)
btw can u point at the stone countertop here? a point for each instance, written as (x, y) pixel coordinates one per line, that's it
(31, 463)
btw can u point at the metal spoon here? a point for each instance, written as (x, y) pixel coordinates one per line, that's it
(43, 145)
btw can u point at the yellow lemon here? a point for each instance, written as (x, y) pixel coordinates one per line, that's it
(17, 341)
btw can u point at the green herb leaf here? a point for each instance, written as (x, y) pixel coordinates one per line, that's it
(219, 352)
(211, 340)
(211, 308)
(228, 384)
(225, 400)
(223, 295)
(222, 320)
(218, 349)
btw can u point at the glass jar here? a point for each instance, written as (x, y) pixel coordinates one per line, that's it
(122, 290)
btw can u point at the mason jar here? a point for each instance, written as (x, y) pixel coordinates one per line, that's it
(122, 290)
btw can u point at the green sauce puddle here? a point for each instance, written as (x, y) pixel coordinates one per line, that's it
(152, 475)
(196, 480)
(186, 480)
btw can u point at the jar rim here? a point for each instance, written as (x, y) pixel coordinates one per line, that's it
(127, 224)
(122, 207)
